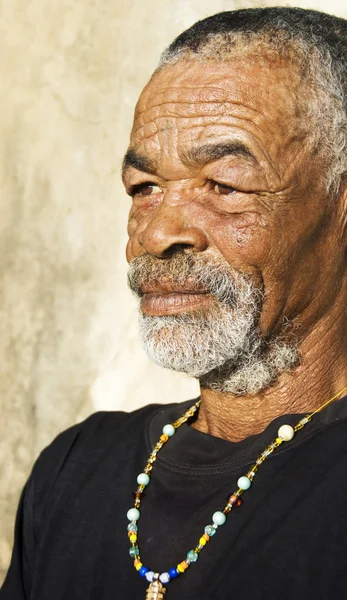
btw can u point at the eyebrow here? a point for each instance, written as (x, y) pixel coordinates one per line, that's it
(209, 152)
(200, 155)
(139, 162)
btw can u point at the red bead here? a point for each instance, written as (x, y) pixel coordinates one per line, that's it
(232, 499)
(239, 502)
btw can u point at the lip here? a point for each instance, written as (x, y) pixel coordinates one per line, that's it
(165, 287)
(173, 302)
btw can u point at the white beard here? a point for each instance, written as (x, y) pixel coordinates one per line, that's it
(220, 345)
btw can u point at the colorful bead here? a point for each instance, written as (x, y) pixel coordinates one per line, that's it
(143, 479)
(210, 530)
(173, 573)
(219, 518)
(133, 514)
(182, 566)
(169, 430)
(244, 483)
(232, 499)
(192, 556)
(286, 432)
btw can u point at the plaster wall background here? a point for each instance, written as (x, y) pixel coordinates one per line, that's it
(70, 74)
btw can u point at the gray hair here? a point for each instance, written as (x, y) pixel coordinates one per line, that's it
(314, 42)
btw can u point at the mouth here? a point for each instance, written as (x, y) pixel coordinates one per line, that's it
(159, 303)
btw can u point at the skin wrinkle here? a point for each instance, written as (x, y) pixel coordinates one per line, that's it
(279, 227)
(139, 138)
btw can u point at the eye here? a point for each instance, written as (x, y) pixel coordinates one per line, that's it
(145, 189)
(223, 190)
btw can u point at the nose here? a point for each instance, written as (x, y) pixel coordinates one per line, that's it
(167, 232)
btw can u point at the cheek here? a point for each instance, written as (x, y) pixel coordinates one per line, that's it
(241, 239)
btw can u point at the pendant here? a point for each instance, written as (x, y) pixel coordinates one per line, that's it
(156, 591)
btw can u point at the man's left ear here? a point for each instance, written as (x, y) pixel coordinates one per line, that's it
(342, 209)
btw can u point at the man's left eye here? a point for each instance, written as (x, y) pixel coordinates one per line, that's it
(222, 189)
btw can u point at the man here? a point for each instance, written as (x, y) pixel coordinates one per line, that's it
(237, 249)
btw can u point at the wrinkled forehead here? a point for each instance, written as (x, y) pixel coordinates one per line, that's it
(191, 96)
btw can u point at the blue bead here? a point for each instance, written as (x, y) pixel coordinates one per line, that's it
(210, 530)
(173, 573)
(169, 430)
(132, 527)
(143, 571)
(134, 551)
(244, 483)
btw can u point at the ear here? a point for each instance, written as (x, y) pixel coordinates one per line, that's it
(341, 207)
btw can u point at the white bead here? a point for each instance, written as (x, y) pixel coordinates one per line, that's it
(219, 518)
(164, 577)
(143, 479)
(169, 430)
(149, 576)
(286, 432)
(133, 514)
(244, 483)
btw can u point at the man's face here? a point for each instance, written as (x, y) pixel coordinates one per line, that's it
(220, 169)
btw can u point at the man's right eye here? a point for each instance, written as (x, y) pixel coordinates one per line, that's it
(145, 189)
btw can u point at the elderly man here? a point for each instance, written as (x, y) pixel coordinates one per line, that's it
(237, 248)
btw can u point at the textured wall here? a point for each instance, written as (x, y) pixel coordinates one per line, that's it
(70, 76)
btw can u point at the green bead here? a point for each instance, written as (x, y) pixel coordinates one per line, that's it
(210, 530)
(132, 527)
(192, 556)
(134, 551)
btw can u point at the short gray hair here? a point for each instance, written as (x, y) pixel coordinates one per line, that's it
(314, 42)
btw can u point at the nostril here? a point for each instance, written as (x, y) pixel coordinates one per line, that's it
(174, 248)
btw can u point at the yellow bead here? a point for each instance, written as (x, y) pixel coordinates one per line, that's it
(138, 566)
(133, 537)
(182, 567)
(202, 541)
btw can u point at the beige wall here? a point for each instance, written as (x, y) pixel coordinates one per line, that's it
(71, 72)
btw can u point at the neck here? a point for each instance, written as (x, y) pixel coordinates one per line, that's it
(321, 374)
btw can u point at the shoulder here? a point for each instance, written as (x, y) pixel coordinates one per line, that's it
(87, 436)
(82, 448)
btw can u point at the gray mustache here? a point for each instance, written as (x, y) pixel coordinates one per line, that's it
(190, 271)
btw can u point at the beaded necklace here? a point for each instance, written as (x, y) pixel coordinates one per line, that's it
(156, 590)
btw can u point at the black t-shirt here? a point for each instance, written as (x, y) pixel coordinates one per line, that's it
(288, 539)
